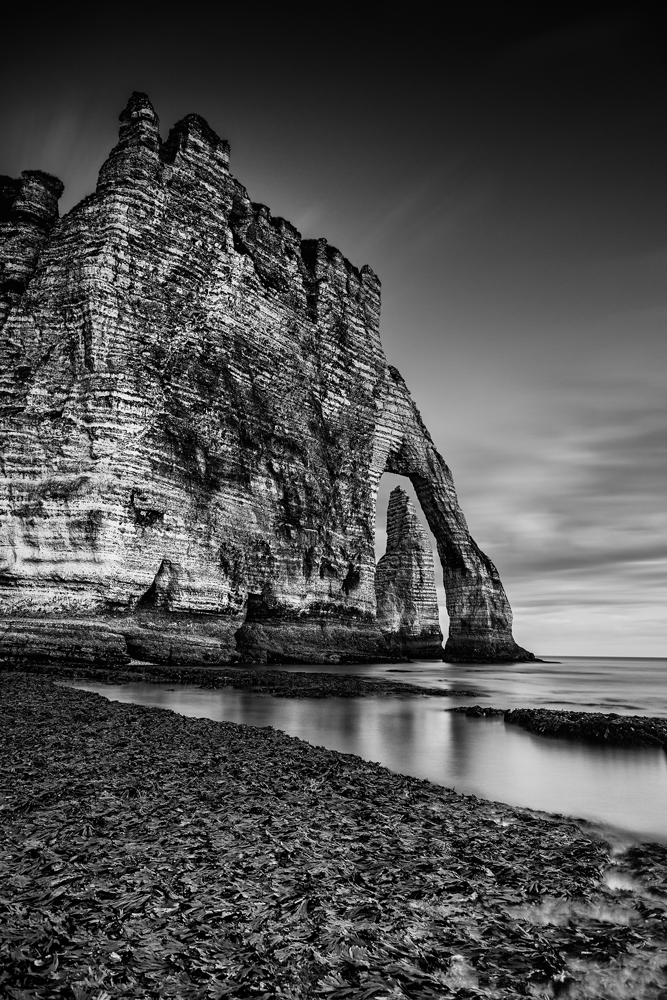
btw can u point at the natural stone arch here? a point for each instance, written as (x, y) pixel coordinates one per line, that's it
(185, 379)
(479, 613)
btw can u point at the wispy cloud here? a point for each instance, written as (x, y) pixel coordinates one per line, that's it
(571, 507)
(443, 199)
(577, 520)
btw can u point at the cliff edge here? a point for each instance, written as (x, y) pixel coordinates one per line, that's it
(195, 413)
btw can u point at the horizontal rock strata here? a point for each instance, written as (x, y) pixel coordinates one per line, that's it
(195, 413)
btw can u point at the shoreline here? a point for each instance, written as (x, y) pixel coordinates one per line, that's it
(259, 680)
(147, 851)
(601, 728)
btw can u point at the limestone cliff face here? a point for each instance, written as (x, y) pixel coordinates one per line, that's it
(406, 599)
(195, 412)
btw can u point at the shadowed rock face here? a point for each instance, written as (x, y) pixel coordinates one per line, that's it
(407, 603)
(195, 415)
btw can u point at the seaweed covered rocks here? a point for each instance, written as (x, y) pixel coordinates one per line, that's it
(146, 854)
(592, 727)
(606, 728)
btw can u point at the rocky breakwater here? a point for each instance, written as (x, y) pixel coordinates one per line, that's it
(196, 411)
(406, 599)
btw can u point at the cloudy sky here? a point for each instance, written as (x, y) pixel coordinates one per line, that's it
(506, 178)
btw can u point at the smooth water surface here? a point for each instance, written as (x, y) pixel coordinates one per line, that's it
(581, 684)
(618, 787)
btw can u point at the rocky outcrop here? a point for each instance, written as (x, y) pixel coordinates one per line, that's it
(406, 598)
(28, 212)
(606, 728)
(195, 413)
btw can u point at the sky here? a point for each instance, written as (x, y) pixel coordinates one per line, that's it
(504, 175)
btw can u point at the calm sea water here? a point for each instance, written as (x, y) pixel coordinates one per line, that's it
(623, 789)
(582, 684)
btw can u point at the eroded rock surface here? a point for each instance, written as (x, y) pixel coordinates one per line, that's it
(406, 598)
(195, 415)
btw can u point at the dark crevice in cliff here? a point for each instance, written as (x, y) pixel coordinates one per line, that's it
(144, 516)
(328, 570)
(9, 189)
(162, 590)
(28, 213)
(308, 562)
(352, 579)
(258, 608)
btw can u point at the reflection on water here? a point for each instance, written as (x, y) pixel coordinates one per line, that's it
(584, 683)
(624, 788)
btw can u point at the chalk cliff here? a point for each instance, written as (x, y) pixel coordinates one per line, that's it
(195, 413)
(405, 594)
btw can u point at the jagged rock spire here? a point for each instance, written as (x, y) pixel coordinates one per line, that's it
(136, 156)
(28, 213)
(37, 198)
(140, 155)
(139, 123)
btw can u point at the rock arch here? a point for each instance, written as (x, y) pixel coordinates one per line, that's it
(479, 613)
(183, 377)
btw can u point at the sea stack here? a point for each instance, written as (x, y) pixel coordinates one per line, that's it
(195, 413)
(406, 598)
